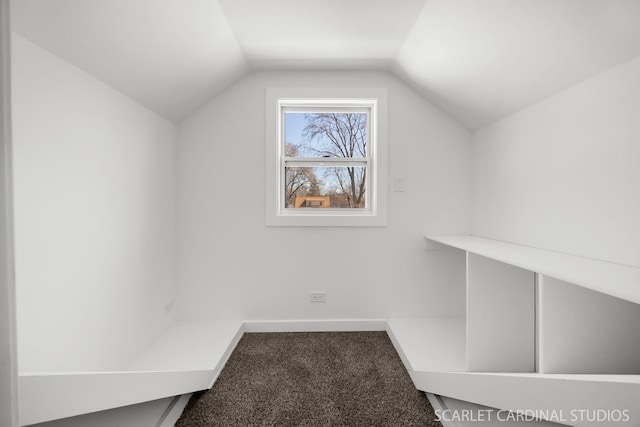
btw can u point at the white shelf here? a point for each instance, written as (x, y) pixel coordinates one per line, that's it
(186, 358)
(189, 345)
(629, 379)
(430, 344)
(617, 280)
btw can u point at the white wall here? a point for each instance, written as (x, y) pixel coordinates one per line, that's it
(563, 174)
(233, 266)
(95, 222)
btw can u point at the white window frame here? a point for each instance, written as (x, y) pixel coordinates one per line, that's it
(374, 101)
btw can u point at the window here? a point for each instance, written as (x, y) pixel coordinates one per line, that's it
(326, 157)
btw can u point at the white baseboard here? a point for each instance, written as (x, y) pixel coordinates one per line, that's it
(332, 325)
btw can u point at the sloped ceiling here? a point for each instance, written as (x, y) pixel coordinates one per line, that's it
(171, 56)
(482, 60)
(479, 60)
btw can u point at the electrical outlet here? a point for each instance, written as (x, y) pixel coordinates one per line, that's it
(318, 296)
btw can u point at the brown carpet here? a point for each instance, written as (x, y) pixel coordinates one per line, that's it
(311, 379)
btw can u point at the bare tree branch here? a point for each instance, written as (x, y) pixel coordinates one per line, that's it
(340, 135)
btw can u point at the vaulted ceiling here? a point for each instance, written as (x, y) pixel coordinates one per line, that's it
(479, 60)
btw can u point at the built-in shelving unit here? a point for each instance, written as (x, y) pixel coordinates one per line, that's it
(621, 281)
(542, 330)
(188, 357)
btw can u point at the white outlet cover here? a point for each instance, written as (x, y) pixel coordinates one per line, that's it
(399, 183)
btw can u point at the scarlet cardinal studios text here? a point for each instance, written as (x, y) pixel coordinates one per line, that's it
(559, 416)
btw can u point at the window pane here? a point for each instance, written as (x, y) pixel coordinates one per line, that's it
(325, 134)
(325, 187)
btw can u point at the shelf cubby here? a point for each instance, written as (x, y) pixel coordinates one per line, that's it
(582, 331)
(500, 316)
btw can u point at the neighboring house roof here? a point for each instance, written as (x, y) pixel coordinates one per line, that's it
(312, 201)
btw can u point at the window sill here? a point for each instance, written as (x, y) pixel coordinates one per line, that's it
(327, 220)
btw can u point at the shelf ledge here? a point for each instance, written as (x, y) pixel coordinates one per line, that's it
(429, 344)
(188, 357)
(618, 280)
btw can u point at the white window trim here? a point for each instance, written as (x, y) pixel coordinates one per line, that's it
(376, 213)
